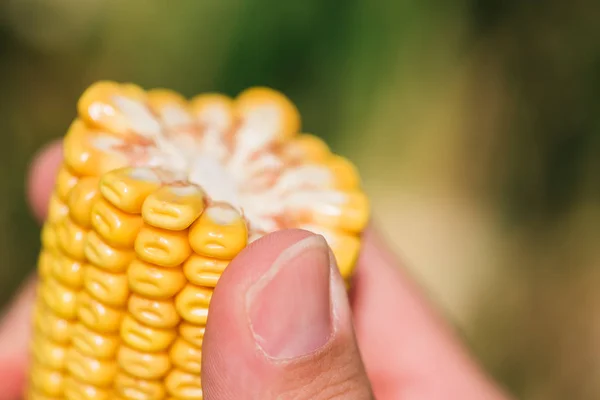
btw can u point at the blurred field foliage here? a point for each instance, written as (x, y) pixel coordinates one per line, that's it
(476, 125)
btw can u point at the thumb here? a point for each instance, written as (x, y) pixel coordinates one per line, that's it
(280, 326)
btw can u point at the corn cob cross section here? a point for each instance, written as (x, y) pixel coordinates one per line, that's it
(155, 197)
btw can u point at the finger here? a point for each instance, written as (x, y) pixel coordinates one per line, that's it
(14, 339)
(408, 350)
(280, 326)
(42, 174)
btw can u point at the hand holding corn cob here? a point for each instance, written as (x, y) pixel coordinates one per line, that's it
(288, 277)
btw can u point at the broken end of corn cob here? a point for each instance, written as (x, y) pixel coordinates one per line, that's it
(155, 197)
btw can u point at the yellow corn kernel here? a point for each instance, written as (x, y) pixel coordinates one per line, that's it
(220, 232)
(57, 210)
(99, 253)
(90, 370)
(145, 338)
(47, 381)
(94, 344)
(183, 385)
(285, 117)
(173, 207)
(153, 313)
(171, 107)
(97, 316)
(45, 264)
(346, 211)
(204, 271)
(355, 213)
(345, 248)
(68, 271)
(127, 188)
(119, 109)
(81, 199)
(56, 328)
(92, 153)
(143, 365)
(192, 303)
(49, 237)
(346, 175)
(192, 333)
(116, 227)
(65, 182)
(186, 356)
(153, 281)
(75, 390)
(49, 354)
(306, 147)
(71, 238)
(162, 247)
(132, 388)
(109, 288)
(60, 299)
(213, 111)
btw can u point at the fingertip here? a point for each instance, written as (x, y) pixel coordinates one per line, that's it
(41, 178)
(276, 324)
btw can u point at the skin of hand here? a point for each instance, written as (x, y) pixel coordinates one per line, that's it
(283, 327)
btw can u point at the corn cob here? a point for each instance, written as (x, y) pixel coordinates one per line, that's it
(155, 196)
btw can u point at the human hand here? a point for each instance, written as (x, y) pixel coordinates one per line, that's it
(282, 326)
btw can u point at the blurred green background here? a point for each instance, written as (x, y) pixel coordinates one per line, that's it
(476, 125)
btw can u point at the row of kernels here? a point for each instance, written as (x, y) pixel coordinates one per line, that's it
(94, 328)
(216, 237)
(52, 334)
(183, 382)
(46, 381)
(148, 331)
(154, 277)
(95, 341)
(91, 358)
(109, 250)
(125, 110)
(48, 252)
